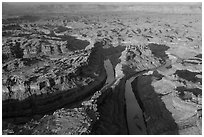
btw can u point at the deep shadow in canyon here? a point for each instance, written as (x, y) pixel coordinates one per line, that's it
(158, 119)
(112, 110)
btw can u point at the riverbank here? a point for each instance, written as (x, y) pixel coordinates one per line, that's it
(17, 112)
(77, 120)
(112, 108)
(111, 105)
(165, 113)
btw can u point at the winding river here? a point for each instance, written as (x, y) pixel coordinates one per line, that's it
(135, 119)
(134, 113)
(136, 125)
(110, 72)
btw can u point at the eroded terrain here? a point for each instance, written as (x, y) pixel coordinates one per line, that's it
(67, 73)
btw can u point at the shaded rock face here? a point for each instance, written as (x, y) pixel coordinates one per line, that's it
(159, 51)
(111, 108)
(189, 93)
(177, 107)
(157, 117)
(189, 76)
(199, 56)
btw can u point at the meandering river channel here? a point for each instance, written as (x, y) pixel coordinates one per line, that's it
(136, 125)
(134, 113)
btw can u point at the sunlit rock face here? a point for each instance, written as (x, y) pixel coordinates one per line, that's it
(140, 57)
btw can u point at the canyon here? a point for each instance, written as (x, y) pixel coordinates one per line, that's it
(128, 72)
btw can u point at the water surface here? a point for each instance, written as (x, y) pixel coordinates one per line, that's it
(136, 125)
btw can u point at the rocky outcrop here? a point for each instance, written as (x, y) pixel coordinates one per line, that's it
(139, 58)
(48, 101)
